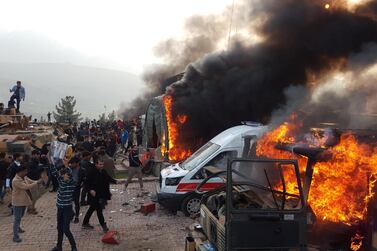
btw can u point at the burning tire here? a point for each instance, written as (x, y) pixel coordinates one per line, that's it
(191, 204)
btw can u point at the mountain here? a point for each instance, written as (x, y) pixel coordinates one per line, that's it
(46, 83)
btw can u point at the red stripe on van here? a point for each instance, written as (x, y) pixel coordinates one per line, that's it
(188, 187)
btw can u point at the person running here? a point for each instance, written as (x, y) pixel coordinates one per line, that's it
(64, 204)
(21, 198)
(98, 184)
(134, 168)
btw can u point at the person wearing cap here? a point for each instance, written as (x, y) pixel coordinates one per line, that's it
(64, 204)
(20, 198)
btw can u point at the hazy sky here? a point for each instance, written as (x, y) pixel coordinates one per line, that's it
(116, 34)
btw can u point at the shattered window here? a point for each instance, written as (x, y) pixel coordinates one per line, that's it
(221, 160)
(199, 156)
(266, 185)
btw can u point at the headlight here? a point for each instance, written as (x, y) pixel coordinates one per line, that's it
(172, 181)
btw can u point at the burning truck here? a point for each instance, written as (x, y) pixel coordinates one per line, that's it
(338, 171)
(292, 189)
(160, 132)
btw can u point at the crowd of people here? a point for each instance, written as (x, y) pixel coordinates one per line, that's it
(82, 177)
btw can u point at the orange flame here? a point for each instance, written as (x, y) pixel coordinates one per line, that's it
(341, 187)
(176, 150)
(282, 134)
(356, 242)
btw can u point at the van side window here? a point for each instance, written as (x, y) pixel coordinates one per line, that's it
(220, 162)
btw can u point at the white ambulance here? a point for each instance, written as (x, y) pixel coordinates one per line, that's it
(177, 184)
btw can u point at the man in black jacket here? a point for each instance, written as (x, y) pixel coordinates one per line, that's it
(88, 145)
(34, 172)
(85, 165)
(12, 170)
(98, 184)
(78, 175)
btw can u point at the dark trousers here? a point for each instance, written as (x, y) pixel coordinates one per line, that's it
(65, 215)
(84, 194)
(18, 100)
(2, 189)
(94, 207)
(51, 178)
(18, 214)
(76, 201)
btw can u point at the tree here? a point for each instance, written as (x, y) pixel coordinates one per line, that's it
(102, 118)
(65, 111)
(112, 116)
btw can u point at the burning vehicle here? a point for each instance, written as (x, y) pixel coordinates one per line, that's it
(296, 190)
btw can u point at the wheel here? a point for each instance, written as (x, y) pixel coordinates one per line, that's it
(191, 204)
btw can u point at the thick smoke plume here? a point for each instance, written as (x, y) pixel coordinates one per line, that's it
(292, 67)
(203, 34)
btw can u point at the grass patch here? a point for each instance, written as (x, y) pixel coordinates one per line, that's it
(121, 175)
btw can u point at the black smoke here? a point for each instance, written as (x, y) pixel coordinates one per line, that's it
(202, 36)
(302, 42)
(248, 82)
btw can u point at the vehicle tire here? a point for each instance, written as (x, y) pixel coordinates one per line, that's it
(191, 204)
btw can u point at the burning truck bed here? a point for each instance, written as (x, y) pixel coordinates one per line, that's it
(338, 170)
(329, 194)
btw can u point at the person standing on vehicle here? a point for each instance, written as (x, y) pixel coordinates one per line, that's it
(134, 168)
(18, 94)
(98, 184)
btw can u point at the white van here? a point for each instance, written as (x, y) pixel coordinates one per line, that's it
(179, 181)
